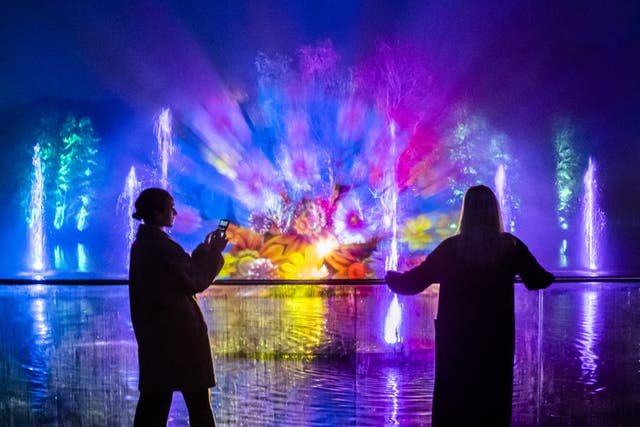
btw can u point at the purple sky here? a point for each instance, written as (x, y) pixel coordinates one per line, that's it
(581, 56)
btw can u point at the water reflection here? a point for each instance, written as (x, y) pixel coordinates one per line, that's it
(587, 339)
(315, 356)
(392, 392)
(35, 353)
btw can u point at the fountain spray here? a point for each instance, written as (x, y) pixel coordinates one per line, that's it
(394, 313)
(391, 203)
(501, 193)
(126, 201)
(36, 213)
(165, 145)
(592, 218)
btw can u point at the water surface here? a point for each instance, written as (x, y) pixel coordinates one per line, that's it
(316, 355)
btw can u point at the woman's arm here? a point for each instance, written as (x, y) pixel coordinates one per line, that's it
(195, 273)
(418, 278)
(530, 271)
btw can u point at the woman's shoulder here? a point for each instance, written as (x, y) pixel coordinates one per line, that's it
(448, 243)
(156, 240)
(508, 237)
(512, 239)
(513, 244)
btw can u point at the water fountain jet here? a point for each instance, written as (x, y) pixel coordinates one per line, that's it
(165, 145)
(592, 219)
(126, 201)
(36, 213)
(501, 193)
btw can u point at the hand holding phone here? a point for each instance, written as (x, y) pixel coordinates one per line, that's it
(222, 226)
(217, 238)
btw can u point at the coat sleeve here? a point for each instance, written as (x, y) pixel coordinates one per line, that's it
(196, 272)
(530, 271)
(420, 277)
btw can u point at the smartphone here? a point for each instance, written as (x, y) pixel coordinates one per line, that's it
(222, 226)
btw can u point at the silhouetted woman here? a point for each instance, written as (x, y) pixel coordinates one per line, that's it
(475, 326)
(173, 343)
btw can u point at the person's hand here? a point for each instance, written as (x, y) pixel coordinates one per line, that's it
(392, 277)
(216, 240)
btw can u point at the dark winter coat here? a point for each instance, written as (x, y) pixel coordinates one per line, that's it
(173, 343)
(475, 329)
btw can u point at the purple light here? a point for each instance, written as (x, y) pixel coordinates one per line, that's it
(592, 218)
(587, 340)
(501, 193)
(392, 322)
(390, 201)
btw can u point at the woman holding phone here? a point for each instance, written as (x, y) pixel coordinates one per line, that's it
(174, 353)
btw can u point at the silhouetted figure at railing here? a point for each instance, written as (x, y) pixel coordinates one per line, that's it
(475, 326)
(173, 344)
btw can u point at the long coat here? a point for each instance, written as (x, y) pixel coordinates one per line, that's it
(475, 329)
(173, 343)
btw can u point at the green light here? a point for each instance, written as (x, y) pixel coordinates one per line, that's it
(58, 258)
(81, 219)
(82, 258)
(476, 152)
(58, 220)
(563, 253)
(69, 157)
(567, 173)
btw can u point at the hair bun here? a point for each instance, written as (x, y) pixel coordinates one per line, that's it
(149, 201)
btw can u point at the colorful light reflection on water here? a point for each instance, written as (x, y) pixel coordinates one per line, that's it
(313, 356)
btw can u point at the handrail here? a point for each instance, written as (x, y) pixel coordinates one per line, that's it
(620, 278)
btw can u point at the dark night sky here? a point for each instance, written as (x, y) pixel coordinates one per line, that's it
(580, 56)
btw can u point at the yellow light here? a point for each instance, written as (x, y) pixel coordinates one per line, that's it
(326, 245)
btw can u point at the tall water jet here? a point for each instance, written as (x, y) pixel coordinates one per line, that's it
(126, 202)
(394, 313)
(165, 147)
(391, 202)
(36, 213)
(592, 219)
(501, 193)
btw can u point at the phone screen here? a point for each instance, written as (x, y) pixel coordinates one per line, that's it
(223, 224)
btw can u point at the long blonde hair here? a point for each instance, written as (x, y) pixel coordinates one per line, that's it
(481, 242)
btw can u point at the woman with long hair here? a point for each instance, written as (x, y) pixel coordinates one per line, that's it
(174, 353)
(475, 325)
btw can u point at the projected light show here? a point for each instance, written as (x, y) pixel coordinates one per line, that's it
(339, 139)
(330, 163)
